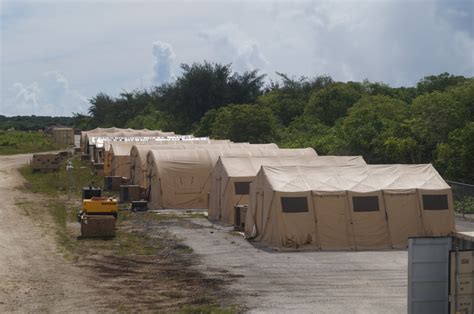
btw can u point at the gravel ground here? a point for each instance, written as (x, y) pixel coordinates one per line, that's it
(322, 282)
(303, 282)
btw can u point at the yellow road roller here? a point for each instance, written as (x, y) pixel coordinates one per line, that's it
(100, 206)
(98, 217)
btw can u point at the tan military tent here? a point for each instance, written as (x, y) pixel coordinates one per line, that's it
(231, 177)
(110, 153)
(117, 159)
(348, 207)
(139, 153)
(180, 179)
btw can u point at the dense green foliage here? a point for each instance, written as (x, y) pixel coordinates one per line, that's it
(429, 122)
(18, 142)
(244, 123)
(27, 123)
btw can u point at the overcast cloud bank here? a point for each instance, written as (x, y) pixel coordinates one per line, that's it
(114, 46)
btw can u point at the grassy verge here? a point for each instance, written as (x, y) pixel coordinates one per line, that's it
(21, 142)
(56, 183)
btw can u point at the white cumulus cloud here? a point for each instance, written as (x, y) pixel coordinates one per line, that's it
(52, 95)
(164, 57)
(231, 45)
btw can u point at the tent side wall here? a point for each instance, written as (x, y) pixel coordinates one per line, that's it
(179, 180)
(153, 184)
(333, 218)
(230, 197)
(121, 166)
(404, 216)
(291, 221)
(437, 212)
(134, 164)
(215, 182)
(184, 184)
(369, 220)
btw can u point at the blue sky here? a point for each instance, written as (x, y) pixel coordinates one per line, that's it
(55, 55)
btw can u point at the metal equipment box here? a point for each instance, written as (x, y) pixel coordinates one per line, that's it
(428, 275)
(113, 183)
(129, 193)
(89, 192)
(139, 206)
(97, 226)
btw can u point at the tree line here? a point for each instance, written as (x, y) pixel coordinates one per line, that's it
(429, 122)
(33, 123)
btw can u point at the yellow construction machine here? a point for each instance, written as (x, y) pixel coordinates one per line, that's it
(100, 206)
(98, 215)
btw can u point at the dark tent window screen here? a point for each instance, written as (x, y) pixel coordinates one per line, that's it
(242, 188)
(435, 202)
(365, 203)
(294, 204)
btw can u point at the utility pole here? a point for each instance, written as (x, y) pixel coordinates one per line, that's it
(69, 168)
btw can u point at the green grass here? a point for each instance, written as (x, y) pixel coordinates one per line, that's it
(21, 142)
(210, 309)
(56, 183)
(54, 186)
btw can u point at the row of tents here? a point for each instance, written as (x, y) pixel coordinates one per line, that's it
(95, 142)
(295, 198)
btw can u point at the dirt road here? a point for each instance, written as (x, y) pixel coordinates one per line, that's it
(34, 276)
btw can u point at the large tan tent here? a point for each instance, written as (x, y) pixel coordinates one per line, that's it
(117, 159)
(348, 207)
(180, 179)
(124, 153)
(138, 154)
(231, 178)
